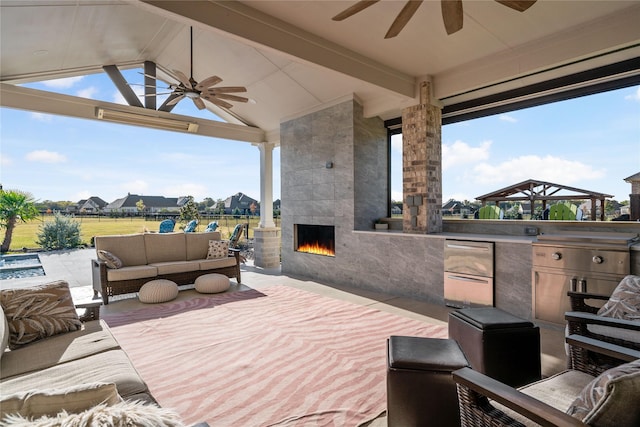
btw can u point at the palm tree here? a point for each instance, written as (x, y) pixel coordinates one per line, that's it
(15, 205)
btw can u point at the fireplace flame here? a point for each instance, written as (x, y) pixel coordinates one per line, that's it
(316, 248)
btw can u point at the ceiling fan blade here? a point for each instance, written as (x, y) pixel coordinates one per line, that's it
(175, 100)
(219, 102)
(227, 89)
(208, 82)
(157, 94)
(182, 78)
(519, 5)
(403, 18)
(199, 103)
(452, 15)
(231, 97)
(360, 6)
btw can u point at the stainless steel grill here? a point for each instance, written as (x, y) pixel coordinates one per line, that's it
(588, 262)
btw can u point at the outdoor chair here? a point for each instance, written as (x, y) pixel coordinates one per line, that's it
(616, 322)
(211, 227)
(167, 226)
(582, 396)
(491, 212)
(191, 226)
(235, 236)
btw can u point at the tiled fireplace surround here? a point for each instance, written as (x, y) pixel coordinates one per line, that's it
(334, 172)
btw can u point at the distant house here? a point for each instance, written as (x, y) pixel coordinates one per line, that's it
(153, 204)
(240, 202)
(91, 205)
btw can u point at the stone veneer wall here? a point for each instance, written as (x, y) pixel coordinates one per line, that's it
(349, 195)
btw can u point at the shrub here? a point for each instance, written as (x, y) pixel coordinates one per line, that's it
(61, 233)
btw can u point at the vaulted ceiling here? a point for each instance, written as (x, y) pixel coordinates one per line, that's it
(293, 58)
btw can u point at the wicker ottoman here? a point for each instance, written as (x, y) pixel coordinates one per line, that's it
(420, 390)
(212, 283)
(498, 344)
(157, 291)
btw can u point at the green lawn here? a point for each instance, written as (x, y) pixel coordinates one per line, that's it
(25, 234)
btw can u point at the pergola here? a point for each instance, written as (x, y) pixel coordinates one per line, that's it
(533, 191)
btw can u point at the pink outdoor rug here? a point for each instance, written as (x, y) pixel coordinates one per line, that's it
(275, 357)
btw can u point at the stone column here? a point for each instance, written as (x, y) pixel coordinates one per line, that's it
(266, 238)
(422, 166)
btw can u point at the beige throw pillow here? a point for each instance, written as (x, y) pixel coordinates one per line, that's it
(218, 249)
(4, 332)
(110, 259)
(611, 398)
(624, 302)
(38, 312)
(38, 403)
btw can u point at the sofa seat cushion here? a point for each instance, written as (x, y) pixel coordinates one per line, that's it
(165, 247)
(209, 264)
(94, 337)
(133, 272)
(41, 403)
(619, 333)
(176, 267)
(111, 366)
(558, 391)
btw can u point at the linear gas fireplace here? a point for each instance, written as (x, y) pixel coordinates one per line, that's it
(315, 239)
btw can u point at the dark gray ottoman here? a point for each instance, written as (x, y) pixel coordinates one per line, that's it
(420, 390)
(498, 344)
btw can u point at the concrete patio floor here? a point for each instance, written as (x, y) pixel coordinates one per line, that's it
(74, 266)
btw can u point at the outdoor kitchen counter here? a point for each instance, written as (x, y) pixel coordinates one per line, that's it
(386, 256)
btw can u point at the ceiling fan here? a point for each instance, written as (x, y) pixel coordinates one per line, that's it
(188, 87)
(451, 13)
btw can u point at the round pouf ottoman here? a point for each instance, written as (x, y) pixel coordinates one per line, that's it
(212, 283)
(159, 290)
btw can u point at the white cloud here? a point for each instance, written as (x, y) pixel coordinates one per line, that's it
(44, 156)
(461, 153)
(41, 117)
(81, 195)
(635, 96)
(87, 92)
(62, 83)
(119, 99)
(198, 191)
(508, 118)
(549, 168)
(135, 187)
(5, 160)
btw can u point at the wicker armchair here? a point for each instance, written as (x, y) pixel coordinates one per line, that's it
(487, 402)
(617, 322)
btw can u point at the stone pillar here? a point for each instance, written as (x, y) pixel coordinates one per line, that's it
(266, 247)
(422, 166)
(266, 238)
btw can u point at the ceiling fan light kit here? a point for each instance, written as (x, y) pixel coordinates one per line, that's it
(188, 87)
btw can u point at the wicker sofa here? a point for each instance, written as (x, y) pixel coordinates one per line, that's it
(57, 365)
(179, 257)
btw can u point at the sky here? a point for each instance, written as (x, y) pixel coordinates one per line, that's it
(591, 143)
